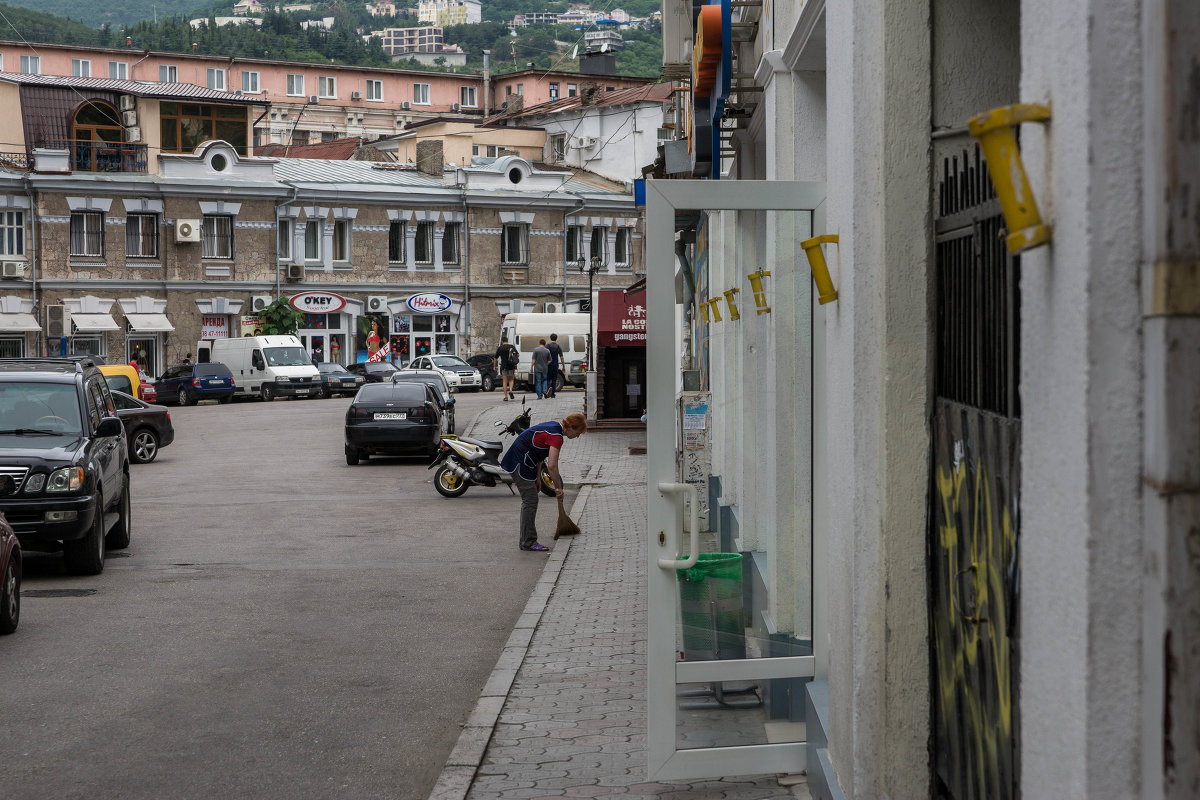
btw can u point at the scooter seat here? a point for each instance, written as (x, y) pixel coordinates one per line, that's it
(483, 444)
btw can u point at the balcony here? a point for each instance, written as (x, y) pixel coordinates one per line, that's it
(93, 156)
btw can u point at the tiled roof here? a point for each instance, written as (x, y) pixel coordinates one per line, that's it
(656, 93)
(162, 91)
(336, 150)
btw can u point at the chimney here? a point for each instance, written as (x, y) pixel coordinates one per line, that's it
(515, 103)
(429, 157)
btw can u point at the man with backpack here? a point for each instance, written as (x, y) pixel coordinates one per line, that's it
(556, 364)
(507, 360)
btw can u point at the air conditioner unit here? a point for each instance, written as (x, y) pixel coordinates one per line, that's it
(406, 105)
(312, 99)
(553, 308)
(377, 304)
(58, 321)
(259, 301)
(584, 142)
(356, 95)
(295, 272)
(456, 107)
(13, 269)
(187, 230)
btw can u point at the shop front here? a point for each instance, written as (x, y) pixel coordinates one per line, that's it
(423, 324)
(326, 328)
(17, 324)
(621, 343)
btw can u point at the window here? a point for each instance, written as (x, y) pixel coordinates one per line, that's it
(423, 244)
(558, 147)
(572, 90)
(450, 246)
(186, 126)
(118, 70)
(487, 151)
(624, 254)
(283, 240)
(216, 79)
(327, 86)
(396, 237)
(31, 65)
(421, 93)
(250, 82)
(553, 91)
(374, 90)
(295, 85)
(12, 233)
(87, 233)
(514, 244)
(141, 235)
(610, 88)
(507, 91)
(216, 237)
(575, 253)
(467, 97)
(81, 67)
(168, 73)
(341, 240)
(600, 244)
(312, 240)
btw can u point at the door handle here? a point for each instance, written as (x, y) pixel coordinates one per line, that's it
(694, 536)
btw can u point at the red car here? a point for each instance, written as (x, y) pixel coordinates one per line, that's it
(147, 392)
(10, 570)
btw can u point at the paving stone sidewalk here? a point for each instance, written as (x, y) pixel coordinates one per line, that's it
(564, 713)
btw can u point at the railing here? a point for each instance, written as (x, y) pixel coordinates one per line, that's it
(91, 156)
(14, 161)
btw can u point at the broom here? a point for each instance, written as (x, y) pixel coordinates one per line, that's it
(566, 525)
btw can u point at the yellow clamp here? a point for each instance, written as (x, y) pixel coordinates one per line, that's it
(760, 294)
(733, 309)
(995, 131)
(820, 270)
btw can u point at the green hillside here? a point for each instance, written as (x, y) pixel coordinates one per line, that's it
(95, 13)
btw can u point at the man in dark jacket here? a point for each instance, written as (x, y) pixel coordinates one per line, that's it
(556, 358)
(506, 358)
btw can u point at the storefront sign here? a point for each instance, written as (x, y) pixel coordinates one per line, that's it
(712, 74)
(429, 303)
(317, 302)
(621, 320)
(214, 326)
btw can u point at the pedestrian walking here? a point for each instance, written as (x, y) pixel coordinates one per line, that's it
(507, 358)
(541, 363)
(556, 360)
(537, 444)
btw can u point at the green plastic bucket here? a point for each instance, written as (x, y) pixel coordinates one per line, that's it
(710, 607)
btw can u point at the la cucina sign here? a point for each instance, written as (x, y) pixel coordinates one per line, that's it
(317, 302)
(429, 303)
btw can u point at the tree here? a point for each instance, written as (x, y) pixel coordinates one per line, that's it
(279, 318)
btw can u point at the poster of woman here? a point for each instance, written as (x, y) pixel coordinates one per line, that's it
(369, 337)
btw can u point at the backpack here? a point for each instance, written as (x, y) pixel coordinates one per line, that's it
(512, 359)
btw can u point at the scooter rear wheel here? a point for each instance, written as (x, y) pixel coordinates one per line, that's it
(447, 482)
(544, 481)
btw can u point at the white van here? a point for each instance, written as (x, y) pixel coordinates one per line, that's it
(524, 331)
(267, 366)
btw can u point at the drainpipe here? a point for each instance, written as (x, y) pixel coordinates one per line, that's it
(133, 68)
(288, 202)
(566, 223)
(33, 240)
(466, 257)
(487, 82)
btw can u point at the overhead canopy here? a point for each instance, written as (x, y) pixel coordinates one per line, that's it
(15, 323)
(93, 323)
(149, 323)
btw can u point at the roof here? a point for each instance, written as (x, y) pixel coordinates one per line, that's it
(336, 150)
(656, 93)
(162, 91)
(475, 123)
(581, 75)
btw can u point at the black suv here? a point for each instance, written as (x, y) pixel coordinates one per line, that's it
(64, 463)
(486, 364)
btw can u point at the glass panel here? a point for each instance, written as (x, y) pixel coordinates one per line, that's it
(193, 132)
(170, 135)
(234, 133)
(422, 322)
(445, 344)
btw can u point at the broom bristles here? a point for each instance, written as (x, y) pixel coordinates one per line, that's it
(566, 525)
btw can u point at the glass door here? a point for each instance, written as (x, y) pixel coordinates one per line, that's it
(732, 632)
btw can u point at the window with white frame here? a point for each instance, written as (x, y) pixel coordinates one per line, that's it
(250, 79)
(312, 240)
(451, 249)
(168, 73)
(216, 236)
(31, 65)
(520, 90)
(216, 79)
(141, 235)
(1, 62)
(12, 233)
(12, 347)
(421, 94)
(486, 150)
(553, 90)
(423, 243)
(295, 85)
(81, 67)
(514, 243)
(118, 70)
(283, 240)
(572, 90)
(467, 97)
(341, 240)
(558, 148)
(87, 233)
(326, 86)
(575, 253)
(374, 90)
(624, 247)
(397, 234)
(600, 243)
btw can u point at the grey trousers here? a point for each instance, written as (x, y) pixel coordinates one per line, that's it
(529, 504)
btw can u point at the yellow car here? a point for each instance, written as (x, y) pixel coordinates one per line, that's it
(124, 378)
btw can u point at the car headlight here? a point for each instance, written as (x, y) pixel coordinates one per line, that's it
(35, 483)
(67, 479)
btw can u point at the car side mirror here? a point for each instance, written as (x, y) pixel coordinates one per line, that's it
(110, 426)
(451, 401)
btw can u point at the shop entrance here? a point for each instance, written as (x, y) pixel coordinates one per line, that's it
(324, 337)
(624, 382)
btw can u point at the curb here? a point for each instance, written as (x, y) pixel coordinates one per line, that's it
(458, 773)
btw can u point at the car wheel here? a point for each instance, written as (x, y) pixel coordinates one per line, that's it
(143, 447)
(448, 483)
(10, 597)
(559, 382)
(183, 398)
(489, 383)
(544, 481)
(118, 538)
(86, 556)
(267, 393)
(351, 455)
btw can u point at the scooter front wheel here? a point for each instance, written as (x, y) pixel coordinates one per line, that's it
(544, 481)
(447, 482)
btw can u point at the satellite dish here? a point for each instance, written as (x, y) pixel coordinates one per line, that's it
(604, 47)
(575, 53)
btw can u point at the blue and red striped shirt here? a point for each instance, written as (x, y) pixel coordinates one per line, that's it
(532, 447)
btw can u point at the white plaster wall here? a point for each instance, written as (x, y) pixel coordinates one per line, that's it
(627, 138)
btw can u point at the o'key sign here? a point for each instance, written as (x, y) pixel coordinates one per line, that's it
(317, 302)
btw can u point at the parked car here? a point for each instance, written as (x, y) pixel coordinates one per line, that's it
(372, 371)
(146, 390)
(458, 373)
(188, 384)
(10, 567)
(335, 379)
(441, 390)
(124, 378)
(392, 418)
(486, 364)
(64, 448)
(148, 427)
(576, 374)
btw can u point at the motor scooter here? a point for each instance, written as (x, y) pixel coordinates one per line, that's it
(462, 462)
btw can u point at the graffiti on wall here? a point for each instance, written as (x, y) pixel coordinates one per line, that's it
(975, 577)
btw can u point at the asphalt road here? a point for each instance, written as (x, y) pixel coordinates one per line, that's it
(282, 625)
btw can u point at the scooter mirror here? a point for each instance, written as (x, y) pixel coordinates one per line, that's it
(499, 424)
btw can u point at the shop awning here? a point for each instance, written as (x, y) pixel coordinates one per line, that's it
(149, 323)
(93, 323)
(621, 318)
(18, 323)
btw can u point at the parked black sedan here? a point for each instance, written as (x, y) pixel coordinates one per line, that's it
(372, 371)
(147, 427)
(392, 419)
(336, 380)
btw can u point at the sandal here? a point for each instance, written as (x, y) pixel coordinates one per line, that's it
(537, 547)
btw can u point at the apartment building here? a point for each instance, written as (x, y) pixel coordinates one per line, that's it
(535, 18)
(535, 86)
(463, 141)
(397, 41)
(450, 12)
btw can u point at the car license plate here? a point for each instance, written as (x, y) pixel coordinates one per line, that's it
(385, 415)
(217, 382)
(302, 391)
